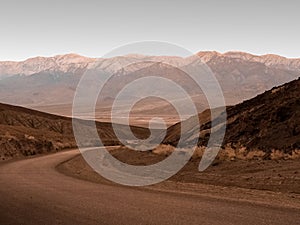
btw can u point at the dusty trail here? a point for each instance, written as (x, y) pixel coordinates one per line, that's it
(33, 192)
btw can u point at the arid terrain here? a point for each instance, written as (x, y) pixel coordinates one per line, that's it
(277, 175)
(255, 178)
(37, 193)
(26, 132)
(49, 84)
(268, 122)
(260, 151)
(149, 112)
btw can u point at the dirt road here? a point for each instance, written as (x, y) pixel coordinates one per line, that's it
(32, 191)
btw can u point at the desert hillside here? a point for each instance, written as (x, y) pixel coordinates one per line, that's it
(270, 121)
(28, 132)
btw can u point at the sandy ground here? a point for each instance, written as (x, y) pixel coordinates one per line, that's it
(103, 114)
(33, 192)
(273, 182)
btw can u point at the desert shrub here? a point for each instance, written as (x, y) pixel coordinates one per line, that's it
(230, 153)
(276, 155)
(163, 150)
(198, 153)
(255, 154)
(295, 154)
(29, 137)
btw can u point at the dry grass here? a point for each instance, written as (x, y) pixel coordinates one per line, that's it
(163, 150)
(231, 154)
(276, 155)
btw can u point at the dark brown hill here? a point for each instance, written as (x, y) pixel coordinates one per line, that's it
(29, 132)
(270, 121)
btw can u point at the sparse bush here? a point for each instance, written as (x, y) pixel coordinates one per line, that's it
(255, 154)
(198, 153)
(163, 150)
(276, 155)
(29, 137)
(295, 154)
(230, 153)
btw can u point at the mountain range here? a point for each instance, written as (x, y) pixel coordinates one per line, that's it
(70, 63)
(49, 83)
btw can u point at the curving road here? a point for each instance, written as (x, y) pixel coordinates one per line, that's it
(33, 192)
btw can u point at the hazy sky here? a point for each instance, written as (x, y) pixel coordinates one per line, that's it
(94, 27)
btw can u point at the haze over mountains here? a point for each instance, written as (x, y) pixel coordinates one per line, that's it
(49, 83)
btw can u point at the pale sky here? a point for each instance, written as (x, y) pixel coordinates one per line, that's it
(92, 28)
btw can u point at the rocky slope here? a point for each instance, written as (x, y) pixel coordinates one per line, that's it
(270, 121)
(28, 132)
